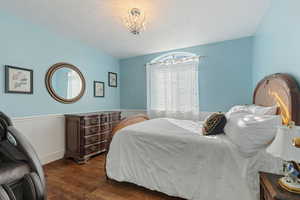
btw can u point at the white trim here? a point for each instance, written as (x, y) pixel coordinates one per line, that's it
(161, 57)
(128, 113)
(62, 115)
(52, 157)
(132, 110)
(19, 119)
(57, 115)
(148, 86)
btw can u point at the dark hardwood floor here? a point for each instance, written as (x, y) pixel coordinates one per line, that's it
(67, 180)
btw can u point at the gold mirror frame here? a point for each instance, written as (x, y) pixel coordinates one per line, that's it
(48, 81)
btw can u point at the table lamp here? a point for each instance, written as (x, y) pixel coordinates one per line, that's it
(286, 146)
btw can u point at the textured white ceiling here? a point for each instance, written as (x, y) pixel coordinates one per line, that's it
(171, 24)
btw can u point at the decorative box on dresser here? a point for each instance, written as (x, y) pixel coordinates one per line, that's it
(89, 134)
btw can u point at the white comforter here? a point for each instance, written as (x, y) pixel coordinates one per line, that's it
(171, 156)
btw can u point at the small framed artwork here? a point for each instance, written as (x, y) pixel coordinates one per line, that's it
(18, 80)
(112, 79)
(99, 89)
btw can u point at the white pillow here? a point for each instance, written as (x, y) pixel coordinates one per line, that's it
(252, 109)
(237, 109)
(251, 132)
(262, 110)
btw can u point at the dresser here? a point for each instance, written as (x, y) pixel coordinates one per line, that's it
(89, 134)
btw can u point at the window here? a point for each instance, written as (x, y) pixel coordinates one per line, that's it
(74, 84)
(172, 86)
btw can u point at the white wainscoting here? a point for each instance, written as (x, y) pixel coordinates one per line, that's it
(47, 133)
(128, 113)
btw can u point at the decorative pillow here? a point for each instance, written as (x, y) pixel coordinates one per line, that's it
(251, 132)
(214, 124)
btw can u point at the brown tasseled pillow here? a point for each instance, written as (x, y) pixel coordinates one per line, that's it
(214, 124)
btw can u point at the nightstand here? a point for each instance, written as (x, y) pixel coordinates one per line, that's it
(270, 190)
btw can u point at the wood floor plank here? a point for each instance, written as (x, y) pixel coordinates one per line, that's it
(67, 180)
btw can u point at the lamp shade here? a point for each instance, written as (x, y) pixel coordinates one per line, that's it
(282, 146)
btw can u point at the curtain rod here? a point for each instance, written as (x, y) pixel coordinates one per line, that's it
(175, 59)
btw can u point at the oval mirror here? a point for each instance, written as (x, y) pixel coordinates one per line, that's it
(65, 83)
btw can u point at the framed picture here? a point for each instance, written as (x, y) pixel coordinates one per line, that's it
(18, 80)
(112, 79)
(99, 89)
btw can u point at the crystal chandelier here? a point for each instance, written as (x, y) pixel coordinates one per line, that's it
(135, 21)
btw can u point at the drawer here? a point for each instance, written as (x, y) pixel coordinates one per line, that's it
(91, 139)
(104, 118)
(91, 149)
(110, 117)
(105, 127)
(116, 116)
(91, 130)
(89, 121)
(96, 138)
(103, 137)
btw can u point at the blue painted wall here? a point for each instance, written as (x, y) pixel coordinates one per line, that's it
(225, 76)
(27, 45)
(277, 41)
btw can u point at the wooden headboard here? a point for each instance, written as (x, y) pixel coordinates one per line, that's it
(281, 90)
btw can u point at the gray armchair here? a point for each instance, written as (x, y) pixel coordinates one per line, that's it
(21, 172)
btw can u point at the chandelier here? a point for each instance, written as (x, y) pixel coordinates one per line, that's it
(135, 21)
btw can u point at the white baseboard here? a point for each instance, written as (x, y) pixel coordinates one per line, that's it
(52, 157)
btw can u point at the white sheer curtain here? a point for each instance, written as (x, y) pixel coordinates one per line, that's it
(172, 90)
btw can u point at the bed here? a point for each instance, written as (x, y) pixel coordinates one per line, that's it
(170, 156)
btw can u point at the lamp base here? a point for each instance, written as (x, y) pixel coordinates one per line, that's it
(293, 187)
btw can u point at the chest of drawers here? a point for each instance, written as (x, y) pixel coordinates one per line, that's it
(89, 134)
